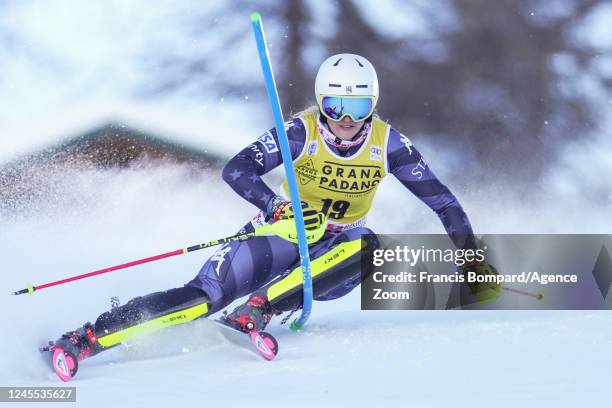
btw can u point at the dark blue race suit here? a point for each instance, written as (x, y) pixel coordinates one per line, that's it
(240, 268)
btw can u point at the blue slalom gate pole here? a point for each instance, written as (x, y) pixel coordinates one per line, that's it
(279, 122)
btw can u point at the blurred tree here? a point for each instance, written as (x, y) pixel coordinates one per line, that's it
(502, 80)
(497, 92)
(296, 80)
(219, 55)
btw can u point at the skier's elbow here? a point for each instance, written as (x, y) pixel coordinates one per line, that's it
(230, 171)
(447, 204)
(442, 202)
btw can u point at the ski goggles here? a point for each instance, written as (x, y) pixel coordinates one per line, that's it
(357, 108)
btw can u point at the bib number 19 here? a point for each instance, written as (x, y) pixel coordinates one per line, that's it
(335, 209)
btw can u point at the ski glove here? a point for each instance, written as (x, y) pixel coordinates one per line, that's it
(280, 209)
(483, 291)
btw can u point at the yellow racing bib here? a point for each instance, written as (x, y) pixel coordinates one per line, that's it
(341, 187)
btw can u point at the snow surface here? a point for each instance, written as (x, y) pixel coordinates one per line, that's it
(390, 358)
(71, 70)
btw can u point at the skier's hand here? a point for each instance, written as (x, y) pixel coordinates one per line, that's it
(281, 209)
(484, 291)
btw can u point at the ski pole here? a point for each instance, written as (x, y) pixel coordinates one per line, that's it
(283, 228)
(538, 296)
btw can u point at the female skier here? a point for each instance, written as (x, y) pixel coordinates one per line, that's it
(341, 151)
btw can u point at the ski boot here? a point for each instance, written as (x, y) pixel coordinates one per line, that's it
(66, 352)
(251, 318)
(254, 315)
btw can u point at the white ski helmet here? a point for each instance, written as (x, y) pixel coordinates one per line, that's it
(346, 75)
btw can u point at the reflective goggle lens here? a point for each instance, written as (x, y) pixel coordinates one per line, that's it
(335, 107)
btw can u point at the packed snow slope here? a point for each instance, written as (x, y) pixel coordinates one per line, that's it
(345, 356)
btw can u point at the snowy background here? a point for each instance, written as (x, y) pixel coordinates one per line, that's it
(66, 67)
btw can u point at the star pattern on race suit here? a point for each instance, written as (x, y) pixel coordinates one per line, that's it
(236, 174)
(451, 230)
(254, 177)
(266, 197)
(248, 194)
